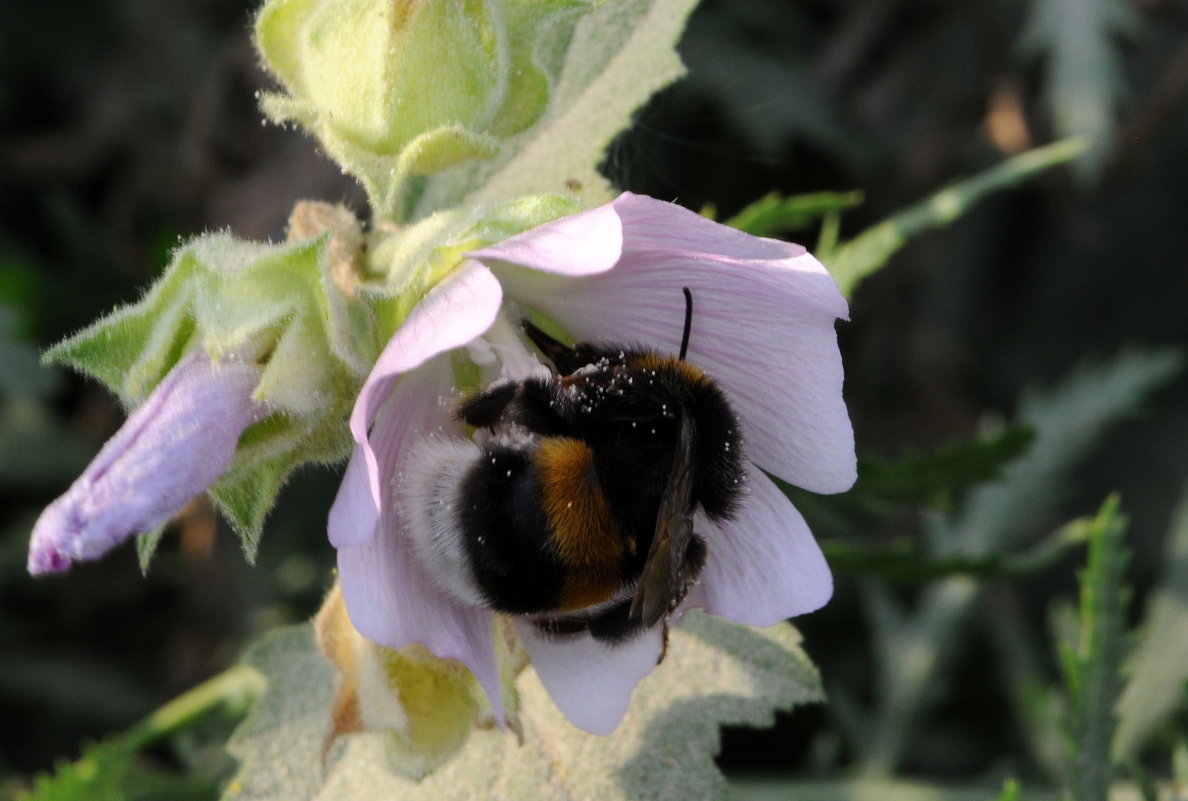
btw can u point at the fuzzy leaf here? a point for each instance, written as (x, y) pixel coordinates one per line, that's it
(621, 53)
(1068, 420)
(715, 673)
(1083, 77)
(1159, 669)
(245, 496)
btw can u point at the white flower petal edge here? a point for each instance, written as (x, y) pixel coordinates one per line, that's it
(591, 683)
(763, 567)
(390, 597)
(763, 323)
(172, 447)
(354, 513)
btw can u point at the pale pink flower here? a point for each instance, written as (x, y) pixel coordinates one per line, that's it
(763, 328)
(172, 447)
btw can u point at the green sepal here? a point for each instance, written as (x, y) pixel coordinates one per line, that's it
(410, 261)
(146, 547)
(541, 33)
(245, 497)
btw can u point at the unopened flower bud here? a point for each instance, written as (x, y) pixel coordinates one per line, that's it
(397, 88)
(280, 308)
(170, 449)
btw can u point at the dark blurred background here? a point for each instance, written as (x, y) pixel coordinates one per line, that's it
(128, 124)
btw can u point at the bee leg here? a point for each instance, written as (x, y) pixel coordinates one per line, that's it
(553, 349)
(615, 625)
(529, 404)
(487, 407)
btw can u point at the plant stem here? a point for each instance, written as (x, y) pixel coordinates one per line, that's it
(236, 687)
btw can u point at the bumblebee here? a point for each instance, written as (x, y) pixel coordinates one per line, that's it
(577, 509)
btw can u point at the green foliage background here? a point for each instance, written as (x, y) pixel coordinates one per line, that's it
(1057, 306)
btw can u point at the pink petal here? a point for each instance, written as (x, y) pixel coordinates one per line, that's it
(390, 597)
(763, 327)
(393, 602)
(590, 682)
(581, 244)
(455, 311)
(354, 515)
(172, 447)
(765, 565)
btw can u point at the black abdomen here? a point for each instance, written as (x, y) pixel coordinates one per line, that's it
(506, 534)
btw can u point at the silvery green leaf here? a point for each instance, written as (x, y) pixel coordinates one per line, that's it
(715, 673)
(1158, 682)
(621, 53)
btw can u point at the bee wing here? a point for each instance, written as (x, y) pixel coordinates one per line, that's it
(662, 583)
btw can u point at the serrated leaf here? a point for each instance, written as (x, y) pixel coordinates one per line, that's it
(1092, 665)
(97, 775)
(715, 673)
(114, 770)
(868, 252)
(907, 560)
(621, 52)
(1158, 681)
(919, 478)
(1083, 77)
(1068, 420)
(930, 478)
(146, 547)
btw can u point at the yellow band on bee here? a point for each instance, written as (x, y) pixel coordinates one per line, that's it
(584, 530)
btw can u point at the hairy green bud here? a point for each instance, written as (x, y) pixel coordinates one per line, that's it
(395, 89)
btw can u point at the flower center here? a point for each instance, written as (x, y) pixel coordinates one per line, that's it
(503, 346)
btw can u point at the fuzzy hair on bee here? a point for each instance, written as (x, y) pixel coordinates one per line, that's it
(578, 506)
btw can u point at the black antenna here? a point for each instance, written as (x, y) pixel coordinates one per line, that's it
(688, 322)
